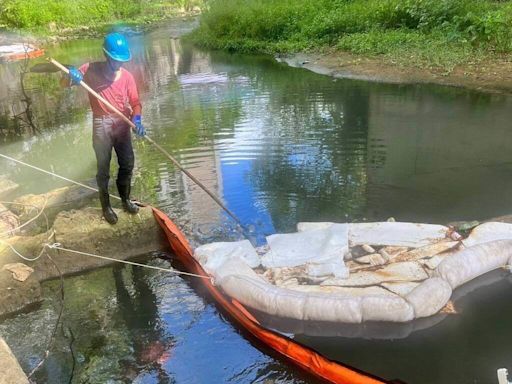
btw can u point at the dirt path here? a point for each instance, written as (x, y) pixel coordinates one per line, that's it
(490, 76)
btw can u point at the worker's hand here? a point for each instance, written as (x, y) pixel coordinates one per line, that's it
(139, 128)
(75, 76)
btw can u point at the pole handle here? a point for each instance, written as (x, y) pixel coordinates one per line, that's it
(95, 94)
(162, 150)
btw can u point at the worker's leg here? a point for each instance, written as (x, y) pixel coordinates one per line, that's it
(126, 159)
(102, 144)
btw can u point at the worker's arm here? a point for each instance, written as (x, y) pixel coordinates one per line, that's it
(74, 77)
(133, 100)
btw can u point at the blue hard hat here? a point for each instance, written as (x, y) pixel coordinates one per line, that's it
(116, 47)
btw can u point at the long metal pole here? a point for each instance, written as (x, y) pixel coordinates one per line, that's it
(157, 146)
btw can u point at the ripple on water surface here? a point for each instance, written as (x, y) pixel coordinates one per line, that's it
(278, 145)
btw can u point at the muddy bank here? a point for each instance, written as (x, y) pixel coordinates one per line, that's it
(489, 76)
(83, 230)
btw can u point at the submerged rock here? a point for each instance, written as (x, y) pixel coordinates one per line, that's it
(7, 187)
(9, 366)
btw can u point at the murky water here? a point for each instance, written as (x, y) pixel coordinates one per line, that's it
(279, 145)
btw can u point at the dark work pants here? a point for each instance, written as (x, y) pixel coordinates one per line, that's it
(112, 132)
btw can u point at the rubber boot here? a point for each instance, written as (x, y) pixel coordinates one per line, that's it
(124, 193)
(108, 212)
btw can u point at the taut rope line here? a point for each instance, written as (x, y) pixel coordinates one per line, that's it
(60, 248)
(53, 174)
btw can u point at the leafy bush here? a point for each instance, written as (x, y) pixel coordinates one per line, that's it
(29, 14)
(287, 23)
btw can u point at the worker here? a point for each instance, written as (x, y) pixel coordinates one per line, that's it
(117, 85)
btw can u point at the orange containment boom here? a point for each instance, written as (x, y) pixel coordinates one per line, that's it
(309, 360)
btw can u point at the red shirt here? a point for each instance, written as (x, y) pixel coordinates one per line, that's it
(121, 93)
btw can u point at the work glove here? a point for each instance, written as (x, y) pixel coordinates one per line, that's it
(75, 76)
(139, 128)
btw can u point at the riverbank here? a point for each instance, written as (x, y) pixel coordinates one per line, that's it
(490, 75)
(48, 23)
(460, 43)
(68, 216)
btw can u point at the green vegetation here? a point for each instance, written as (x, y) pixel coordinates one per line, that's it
(437, 32)
(52, 15)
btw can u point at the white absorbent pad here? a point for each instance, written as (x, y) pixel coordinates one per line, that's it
(336, 268)
(429, 297)
(310, 226)
(489, 232)
(212, 256)
(396, 234)
(287, 303)
(314, 246)
(474, 261)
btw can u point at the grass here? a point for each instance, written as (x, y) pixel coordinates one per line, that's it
(420, 32)
(51, 16)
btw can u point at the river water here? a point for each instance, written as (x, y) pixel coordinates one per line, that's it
(279, 145)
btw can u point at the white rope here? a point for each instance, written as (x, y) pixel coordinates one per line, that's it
(59, 247)
(16, 229)
(24, 257)
(19, 254)
(54, 174)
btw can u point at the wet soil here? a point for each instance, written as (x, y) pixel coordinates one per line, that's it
(492, 75)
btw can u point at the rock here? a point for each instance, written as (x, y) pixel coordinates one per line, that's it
(7, 187)
(8, 222)
(57, 200)
(86, 231)
(9, 366)
(19, 271)
(16, 295)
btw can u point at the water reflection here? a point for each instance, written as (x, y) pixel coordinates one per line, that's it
(151, 346)
(279, 145)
